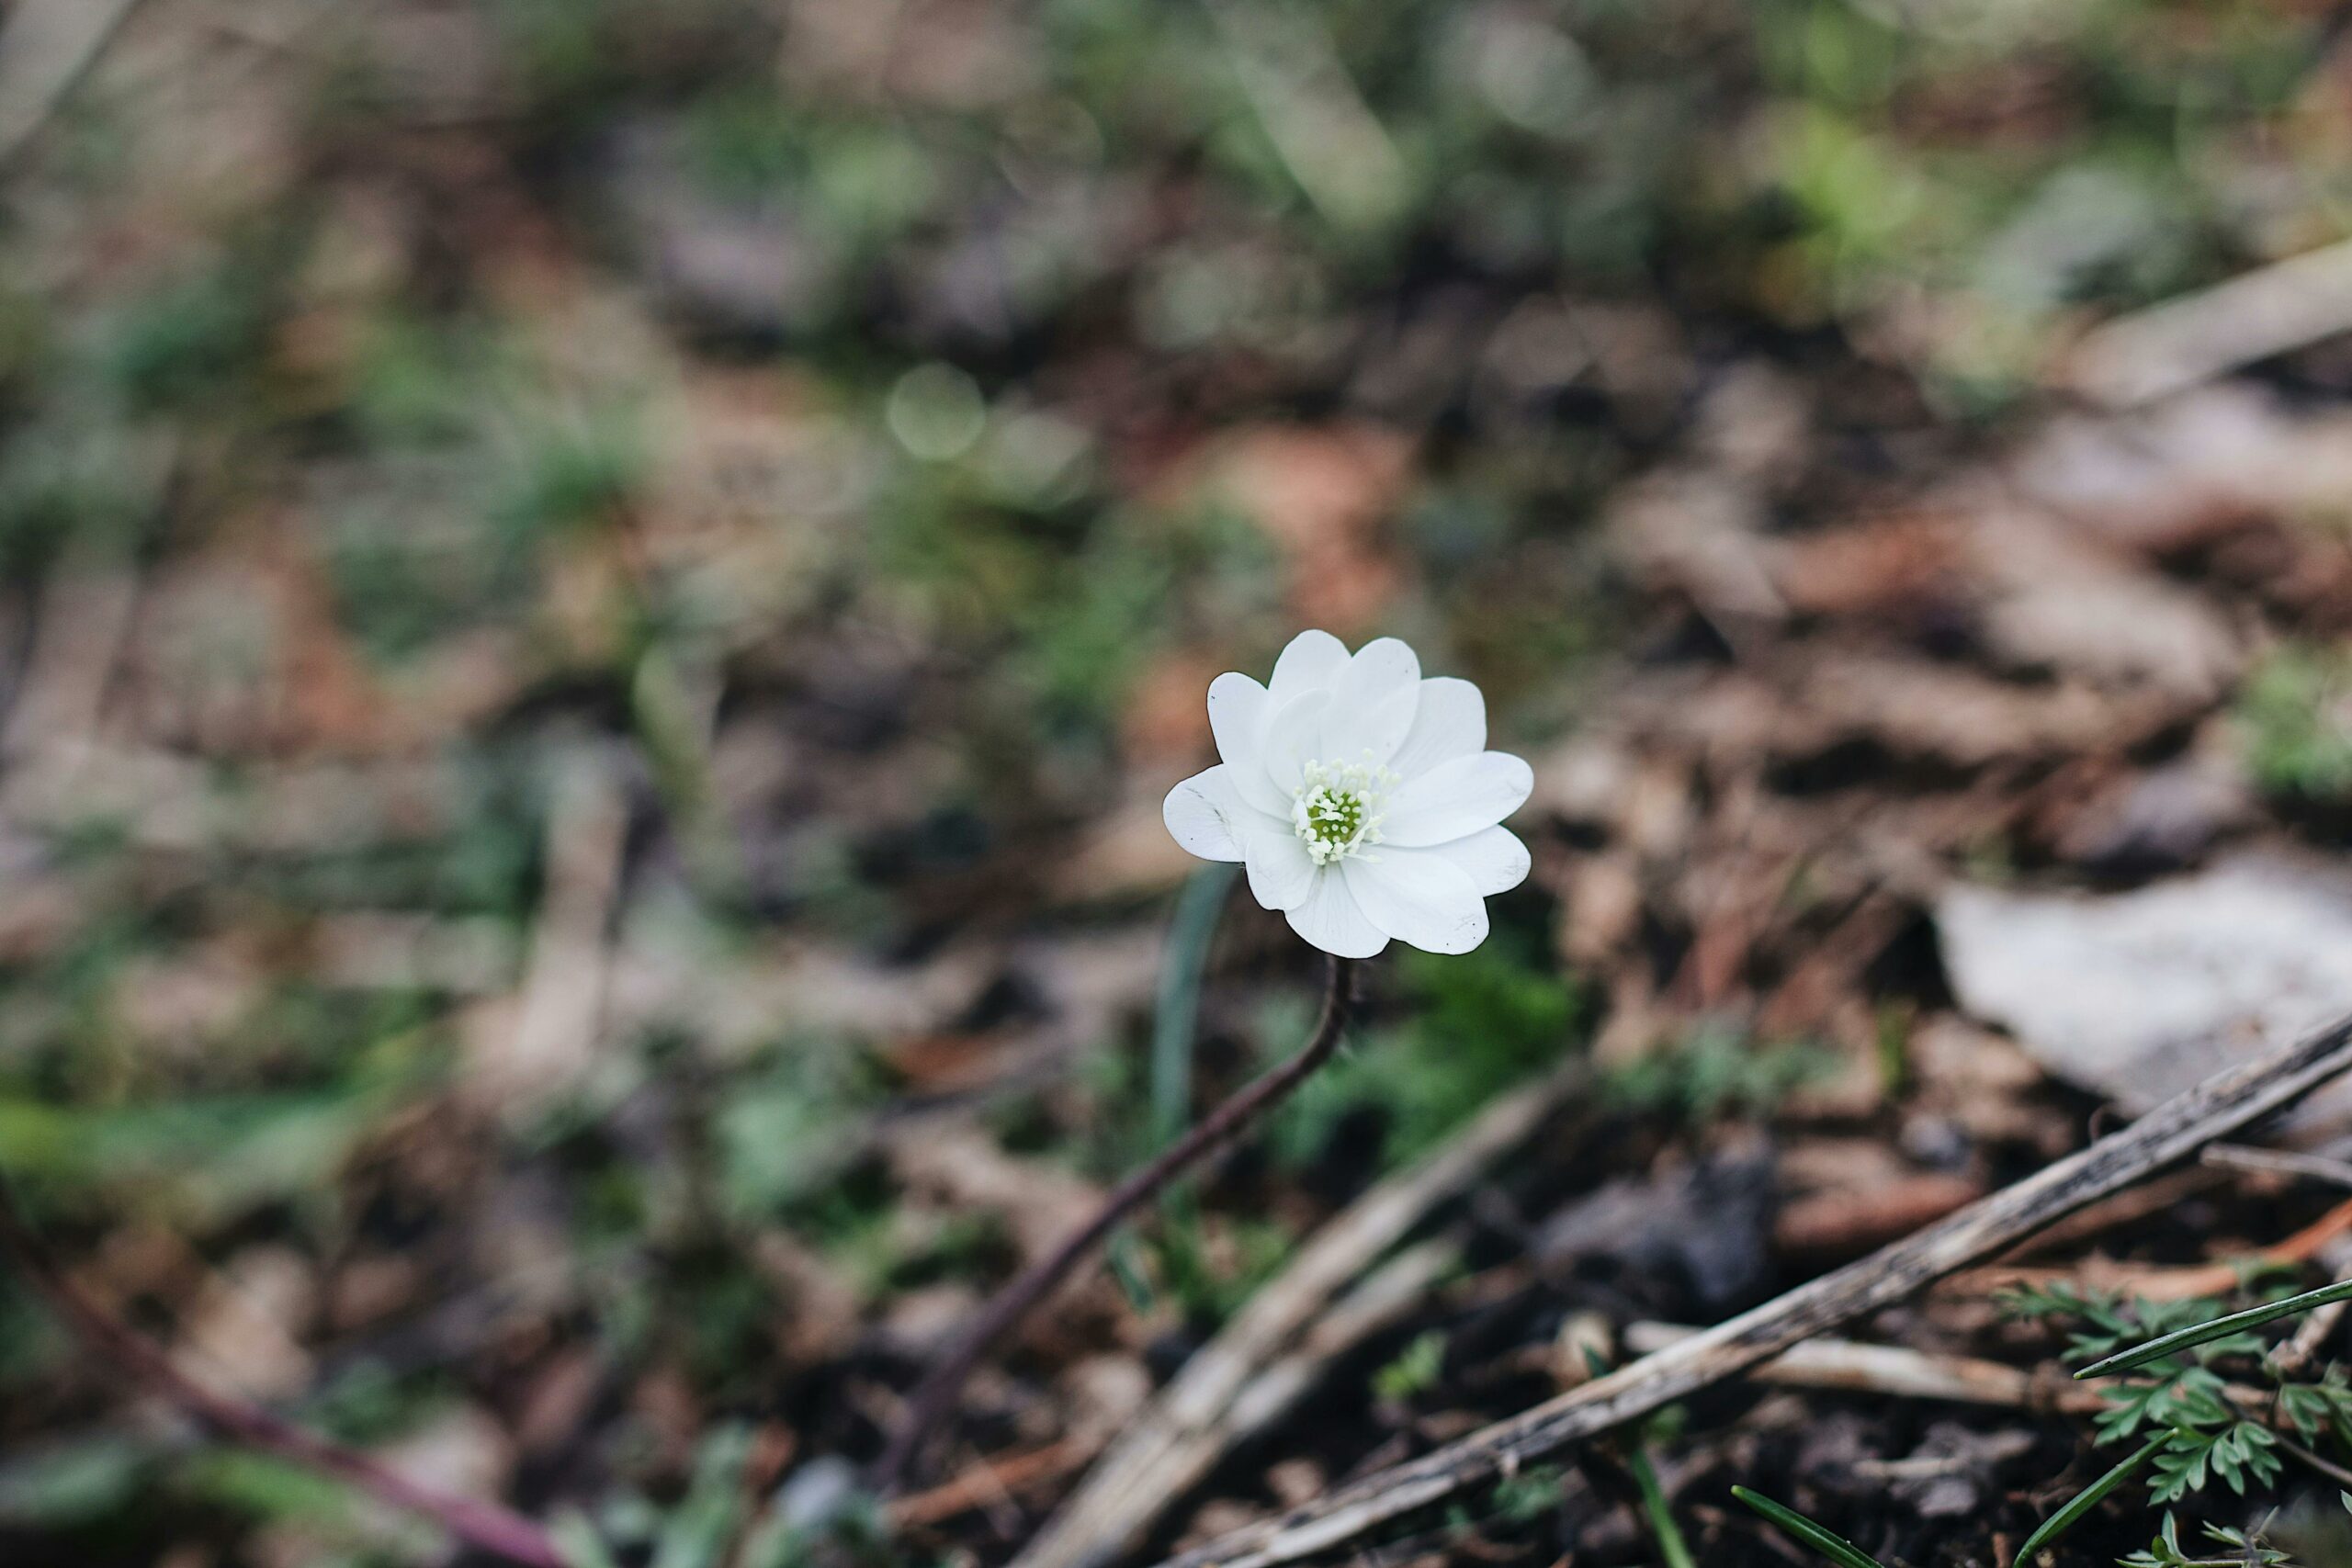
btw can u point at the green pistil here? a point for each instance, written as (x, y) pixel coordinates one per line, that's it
(1336, 808)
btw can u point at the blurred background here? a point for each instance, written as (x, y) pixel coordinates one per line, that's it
(597, 601)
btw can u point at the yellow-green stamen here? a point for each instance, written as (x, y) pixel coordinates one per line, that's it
(1336, 810)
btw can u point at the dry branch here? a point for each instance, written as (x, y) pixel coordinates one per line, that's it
(988, 1482)
(1891, 1370)
(2302, 1348)
(2173, 1131)
(2280, 1162)
(2164, 1284)
(2287, 305)
(44, 49)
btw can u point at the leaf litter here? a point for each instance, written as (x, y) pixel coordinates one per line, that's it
(581, 767)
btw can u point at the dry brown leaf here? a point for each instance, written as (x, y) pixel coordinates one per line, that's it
(1322, 495)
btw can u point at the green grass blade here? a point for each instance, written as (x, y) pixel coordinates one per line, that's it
(1189, 930)
(1837, 1548)
(1670, 1544)
(2065, 1520)
(2220, 1327)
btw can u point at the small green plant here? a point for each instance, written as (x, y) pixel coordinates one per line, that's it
(182, 345)
(1525, 1496)
(2240, 1548)
(1415, 1371)
(1715, 1072)
(569, 476)
(2295, 714)
(2193, 1430)
(1484, 1021)
(1210, 1268)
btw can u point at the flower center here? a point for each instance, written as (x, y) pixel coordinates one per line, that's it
(1336, 809)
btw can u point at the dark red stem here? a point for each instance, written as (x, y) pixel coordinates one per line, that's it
(936, 1394)
(486, 1527)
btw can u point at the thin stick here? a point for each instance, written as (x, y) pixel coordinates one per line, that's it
(933, 1398)
(1843, 1364)
(485, 1527)
(45, 48)
(2181, 343)
(2326, 1467)
(2173, 1131)
(2295, 1357)
(1846, 1366)
(2159, 1283)
(990, 1481)
(2279, 1162)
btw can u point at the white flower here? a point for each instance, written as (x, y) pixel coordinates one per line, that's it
(1361, 798)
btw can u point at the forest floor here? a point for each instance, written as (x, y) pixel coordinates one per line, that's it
(597, 601)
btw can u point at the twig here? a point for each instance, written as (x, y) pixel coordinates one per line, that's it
(2295, 1357)
(2171, 1132)
(1840, 1364)
(2324, 1466)
(2280, 1162)
(1273, 1350)
(44, 49)
(485, 1527)
(1843, 1365)
(932, 1399)
(2149, 353)
(560, 1008)
(990, 1480)
(2156, 1196)
(2163, 1284)
(1892, 1369)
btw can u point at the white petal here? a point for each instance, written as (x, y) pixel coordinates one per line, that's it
(1238, 708)
(1206, 815)
(1450, 721)
(1419, 897)
(1311, 663)
(1282, 874)
(1494, 857)
(1373, 703)
(1329, 919)
(1380, 667)
(1295, 738)
(1456, 799)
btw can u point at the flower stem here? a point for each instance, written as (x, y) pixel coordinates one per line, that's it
(935, 1394)
(485, 1527)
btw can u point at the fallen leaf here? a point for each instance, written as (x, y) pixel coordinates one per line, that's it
(2138, 996)
(1322, 495)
